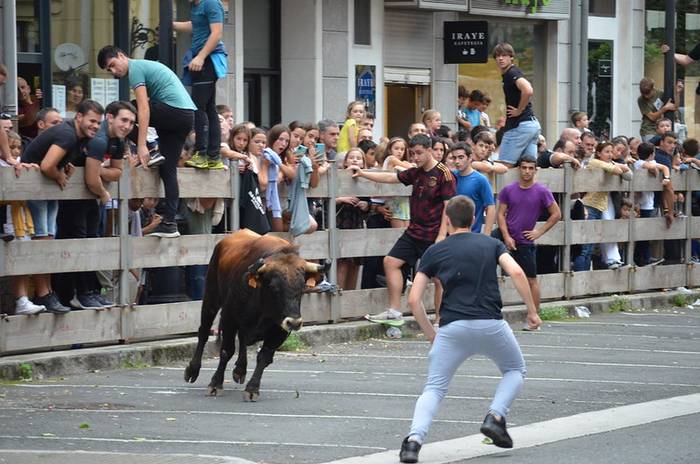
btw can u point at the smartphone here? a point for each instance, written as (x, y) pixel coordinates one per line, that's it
(301, 150)
(320, 148)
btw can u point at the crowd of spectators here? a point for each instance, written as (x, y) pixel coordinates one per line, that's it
(278, 165)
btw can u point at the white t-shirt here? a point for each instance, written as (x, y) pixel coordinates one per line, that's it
(645, 199)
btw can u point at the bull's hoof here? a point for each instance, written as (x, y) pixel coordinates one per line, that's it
(214, 390)
(239, 375)
(251, 396)
(191, 373)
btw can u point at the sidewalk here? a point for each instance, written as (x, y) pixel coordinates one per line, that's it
(161, 352)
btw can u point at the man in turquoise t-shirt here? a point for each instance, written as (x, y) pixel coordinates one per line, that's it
(208, 59)
(163, 103)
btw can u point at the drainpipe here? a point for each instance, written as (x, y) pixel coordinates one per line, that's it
(575, 60)
(583, 79)
(669, 62)
(9, 40)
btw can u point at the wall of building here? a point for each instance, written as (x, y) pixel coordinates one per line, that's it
(336, 58)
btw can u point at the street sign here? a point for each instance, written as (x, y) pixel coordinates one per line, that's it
(366, 86)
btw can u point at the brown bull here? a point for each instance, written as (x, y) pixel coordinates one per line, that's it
(257, 281)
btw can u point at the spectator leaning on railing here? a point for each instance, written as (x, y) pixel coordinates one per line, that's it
(54, 151)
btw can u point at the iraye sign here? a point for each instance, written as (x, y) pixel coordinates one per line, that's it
(466, 41)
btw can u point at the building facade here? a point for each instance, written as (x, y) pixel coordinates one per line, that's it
(306, 59)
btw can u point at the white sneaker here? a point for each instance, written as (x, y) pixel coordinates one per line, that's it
(25, 307)
(385, 315)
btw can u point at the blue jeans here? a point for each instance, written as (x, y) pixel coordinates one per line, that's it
(455, 343)
(583, 261)
(520, 141)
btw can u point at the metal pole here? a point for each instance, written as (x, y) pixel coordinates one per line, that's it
(669, 62)
(46, 55)
(333, 251)
(165, 33)
(583, 78)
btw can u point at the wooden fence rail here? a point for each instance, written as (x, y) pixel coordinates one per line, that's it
(124, 322)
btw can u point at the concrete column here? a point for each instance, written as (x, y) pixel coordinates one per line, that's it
(301, 61)
(624, 99)
(229, 90)
(561, 47)
(335, 44)
(637, 66)
(444, 91)
(8, 55)
(551, 94)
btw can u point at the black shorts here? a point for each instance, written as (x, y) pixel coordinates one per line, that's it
(526, 257)
(409, 249)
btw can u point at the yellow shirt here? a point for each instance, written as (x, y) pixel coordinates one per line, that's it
(598, 200)
(344, 139)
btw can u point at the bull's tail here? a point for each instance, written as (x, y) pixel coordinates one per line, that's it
(211, 303)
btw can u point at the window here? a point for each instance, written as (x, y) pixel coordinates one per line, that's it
(363, 22)
(687, 21)
(601, 8)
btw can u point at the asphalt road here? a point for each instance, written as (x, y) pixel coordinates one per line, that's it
(356, 399)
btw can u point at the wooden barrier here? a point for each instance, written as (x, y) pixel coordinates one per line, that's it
(130, 323)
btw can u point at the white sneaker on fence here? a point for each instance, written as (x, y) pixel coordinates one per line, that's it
(390, 313)
(25, 307)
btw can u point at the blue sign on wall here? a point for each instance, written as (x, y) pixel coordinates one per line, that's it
(366, 86)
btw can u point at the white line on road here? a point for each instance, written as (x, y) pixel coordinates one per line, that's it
(399, 357)
(469, 376)
(623, 324)
(189, 442)
(551, 431)
(171, 390)
(46, 456)
(225, 413)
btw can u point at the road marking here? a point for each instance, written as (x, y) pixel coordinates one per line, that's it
(45, 455)
(189, 442)
(527, 355)
(468, 376)
(551, 431)
(226, 413)
(623, 324)
(665, 314)
(173, 391)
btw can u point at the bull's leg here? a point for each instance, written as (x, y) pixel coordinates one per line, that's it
(273, 339)
(210, 307)
(240, 369)
(228, 346)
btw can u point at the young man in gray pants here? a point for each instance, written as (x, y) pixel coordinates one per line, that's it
(470, 322)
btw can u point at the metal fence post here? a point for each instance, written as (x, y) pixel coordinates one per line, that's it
(235, 209)
(632, 238)
(333, 248)
(566, 213)
(124, 193)
(688, 228)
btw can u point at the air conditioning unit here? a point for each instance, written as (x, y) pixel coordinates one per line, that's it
(434, 5)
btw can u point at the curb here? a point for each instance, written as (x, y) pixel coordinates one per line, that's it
(153, 353)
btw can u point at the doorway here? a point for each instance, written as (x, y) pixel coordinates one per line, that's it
(404, 105)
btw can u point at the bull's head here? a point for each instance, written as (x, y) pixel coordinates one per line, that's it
(281, 279)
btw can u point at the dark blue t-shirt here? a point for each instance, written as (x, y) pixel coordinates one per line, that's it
(466, 266)
(203, 14)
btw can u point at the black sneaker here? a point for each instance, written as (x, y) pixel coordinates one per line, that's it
(86, 301)
(165, 230)
(496, 431)
(409, 451)
(7, 237)
(155, 158)
(52, 303)
(105, 302)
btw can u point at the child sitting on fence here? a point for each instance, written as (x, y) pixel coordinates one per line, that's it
(350, 214)
(396, 158)
(599, 206)
(19, 224)
(348, 134)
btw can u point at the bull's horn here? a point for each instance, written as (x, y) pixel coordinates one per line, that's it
(262, 268)
(312, 267)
